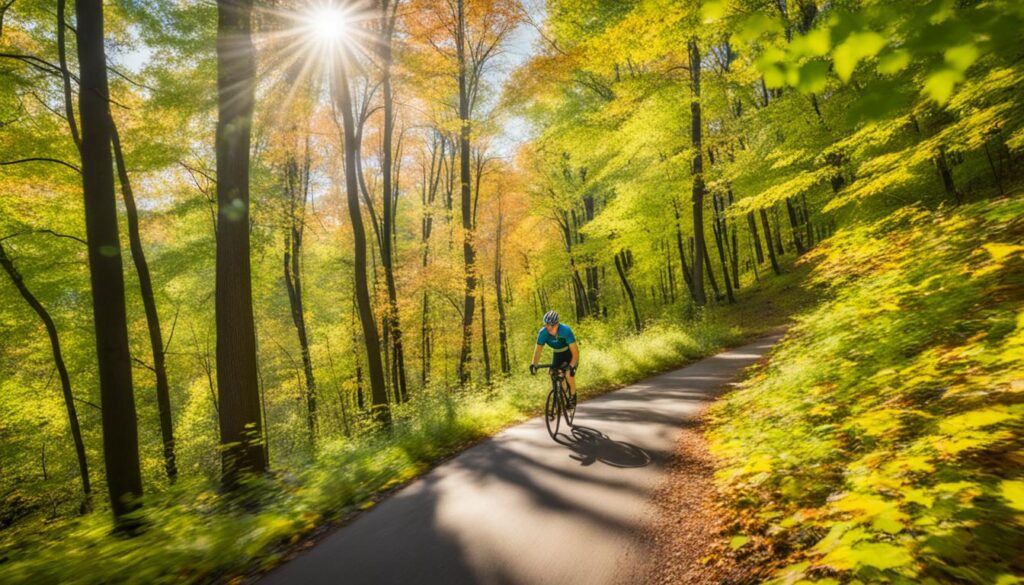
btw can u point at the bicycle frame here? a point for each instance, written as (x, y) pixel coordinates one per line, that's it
(556, 406)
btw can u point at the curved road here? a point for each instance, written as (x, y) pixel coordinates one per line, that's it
(520, 508)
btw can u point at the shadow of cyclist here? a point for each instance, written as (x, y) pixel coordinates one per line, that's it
(590, 445)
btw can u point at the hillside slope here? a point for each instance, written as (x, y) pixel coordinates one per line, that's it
(882, 441)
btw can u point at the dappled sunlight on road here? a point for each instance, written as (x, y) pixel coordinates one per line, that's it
(518, 508)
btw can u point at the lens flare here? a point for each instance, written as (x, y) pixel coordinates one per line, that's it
(328, 24)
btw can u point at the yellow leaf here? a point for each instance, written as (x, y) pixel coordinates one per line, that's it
(919, 496)
(962, 56)
(890, 522)
(712, 11)
(939, 85)
(867, 504)
(974, 419)
(1001, 251)
(1013, 492)
(856, 47)
(894, 62)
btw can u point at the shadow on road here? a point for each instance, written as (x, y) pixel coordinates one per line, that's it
(590, 445)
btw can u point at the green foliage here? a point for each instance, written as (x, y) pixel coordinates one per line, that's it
(195, 534)
(882, 441)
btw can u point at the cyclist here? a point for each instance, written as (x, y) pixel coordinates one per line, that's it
(563, 343)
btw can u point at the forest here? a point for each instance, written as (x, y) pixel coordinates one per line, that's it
(265, 260)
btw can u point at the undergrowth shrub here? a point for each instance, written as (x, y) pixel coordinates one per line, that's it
(882, 442)
(196, 534)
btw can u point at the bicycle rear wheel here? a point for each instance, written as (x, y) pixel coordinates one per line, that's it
(552, 413)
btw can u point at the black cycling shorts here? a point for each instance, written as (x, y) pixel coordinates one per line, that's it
(562, 357)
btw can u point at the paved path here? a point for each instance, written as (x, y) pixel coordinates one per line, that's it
(521, 508)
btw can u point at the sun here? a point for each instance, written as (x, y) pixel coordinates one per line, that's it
(328, 24)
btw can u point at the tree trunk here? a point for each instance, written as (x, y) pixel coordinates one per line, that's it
(753, 261)
(711, 275)
(483, 339)
(768, 241)
(425, 340)
(360, 399)
(120, 433)
(671, 272)
(777, 230)
(431, 183)
(69, 108)
(58, 360)
(387, 254)
(378, 389)
(593, 282)
(996, 175)
(261, 388)
(734, 246)
(698, 175)
(506, 367)
(468, 244)
(946, 174)
(807, 221)
(296, 187)
(620, 262)
(687, 276)
(719, 242)
(794, 227)
(343, 399)
(241, 433)
(757, 240)
(156, 341)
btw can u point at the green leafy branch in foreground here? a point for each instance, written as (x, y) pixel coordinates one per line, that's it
(882, 443)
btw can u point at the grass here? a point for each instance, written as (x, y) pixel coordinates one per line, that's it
(195, 534)
(882, 442)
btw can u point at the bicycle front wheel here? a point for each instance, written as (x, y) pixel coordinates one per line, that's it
(552, 413)
(568, 409)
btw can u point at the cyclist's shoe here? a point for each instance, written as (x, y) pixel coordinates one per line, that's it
(572, 401)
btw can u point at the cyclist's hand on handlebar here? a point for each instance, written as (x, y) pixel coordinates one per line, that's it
(533, 369)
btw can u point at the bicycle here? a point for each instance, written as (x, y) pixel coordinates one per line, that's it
(557, 405)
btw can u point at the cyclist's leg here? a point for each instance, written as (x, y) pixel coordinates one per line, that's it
(569, 377)
(565, 357)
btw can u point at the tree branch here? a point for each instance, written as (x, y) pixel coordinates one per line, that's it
(41, 159)
(143, 364)
(113, 70)
(89, 403)
(44, 231)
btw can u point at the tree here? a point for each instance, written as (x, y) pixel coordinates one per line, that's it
(156, 340)
(120, 435)
(342, 99)
(506, 368)
(700, 250)
(241, 428)
(467, 37)
(297, 195)
(389, 195)
(58, 359)
(622, 265)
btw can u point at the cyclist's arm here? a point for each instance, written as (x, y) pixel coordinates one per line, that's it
(536, 354)
(575, 354)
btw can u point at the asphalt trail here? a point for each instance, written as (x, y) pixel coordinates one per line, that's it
(522, 509)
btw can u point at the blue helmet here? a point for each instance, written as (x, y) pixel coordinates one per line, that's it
(550, 318)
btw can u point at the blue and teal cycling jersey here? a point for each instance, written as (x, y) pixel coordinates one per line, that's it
(559, 341)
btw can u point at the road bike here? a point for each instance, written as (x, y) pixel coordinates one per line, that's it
(558, 405)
